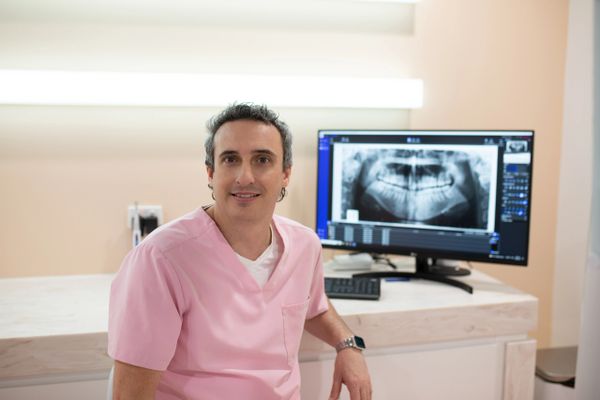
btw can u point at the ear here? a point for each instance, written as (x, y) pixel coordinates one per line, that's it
(286, 176)
(209, 173)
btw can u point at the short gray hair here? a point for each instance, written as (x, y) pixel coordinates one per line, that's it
(253, 112)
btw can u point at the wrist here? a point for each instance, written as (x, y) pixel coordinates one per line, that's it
(351, 342)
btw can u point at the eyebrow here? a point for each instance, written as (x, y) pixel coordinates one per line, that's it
(228, 153)
(257, 151)
(264, 151)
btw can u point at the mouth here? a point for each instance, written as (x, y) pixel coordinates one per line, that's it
(245, 196)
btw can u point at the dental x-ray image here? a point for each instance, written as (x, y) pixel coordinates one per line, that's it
(516, 146)
(426, 185)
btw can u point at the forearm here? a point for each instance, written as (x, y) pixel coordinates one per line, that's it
(350, 366)
(328, 326)
(134, 383)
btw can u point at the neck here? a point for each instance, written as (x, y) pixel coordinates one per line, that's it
(248, 238)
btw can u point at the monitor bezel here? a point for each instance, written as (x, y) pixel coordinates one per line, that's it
(406, 251)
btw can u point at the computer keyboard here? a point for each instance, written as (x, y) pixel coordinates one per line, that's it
(353, 288)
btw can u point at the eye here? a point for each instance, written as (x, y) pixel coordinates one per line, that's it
(263, 160)
(229, 159)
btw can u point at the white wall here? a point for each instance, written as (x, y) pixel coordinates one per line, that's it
(588, 362)
(200, 49)
(575, 177)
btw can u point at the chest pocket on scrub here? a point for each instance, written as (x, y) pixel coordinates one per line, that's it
(293, 326)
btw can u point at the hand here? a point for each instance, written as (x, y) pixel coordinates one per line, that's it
(351, 370)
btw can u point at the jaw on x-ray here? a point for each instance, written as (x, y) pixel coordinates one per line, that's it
(421, 187)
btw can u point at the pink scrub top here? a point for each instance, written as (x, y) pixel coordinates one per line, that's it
(184, 304)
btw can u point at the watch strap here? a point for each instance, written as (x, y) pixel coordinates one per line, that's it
(354, 342)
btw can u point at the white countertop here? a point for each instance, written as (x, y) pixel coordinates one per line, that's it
(57, 325)
(423, 295)
(54, 305)
(76, 304)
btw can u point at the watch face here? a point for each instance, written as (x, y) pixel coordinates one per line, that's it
(359, 342)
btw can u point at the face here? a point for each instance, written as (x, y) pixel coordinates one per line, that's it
(248, 170)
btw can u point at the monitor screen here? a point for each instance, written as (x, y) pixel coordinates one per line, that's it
(461, 195)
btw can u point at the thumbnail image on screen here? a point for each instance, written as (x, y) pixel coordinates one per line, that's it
(437, 186)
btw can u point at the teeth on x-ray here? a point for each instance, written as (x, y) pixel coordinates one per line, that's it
(422, 187)
(516, 146)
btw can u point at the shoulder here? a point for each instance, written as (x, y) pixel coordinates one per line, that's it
(178, 231)
(295, 230)
(152, 261)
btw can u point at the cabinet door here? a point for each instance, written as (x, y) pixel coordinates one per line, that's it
(89, 390)
(457, 373)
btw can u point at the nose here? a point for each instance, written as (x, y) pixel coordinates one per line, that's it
(245, 175)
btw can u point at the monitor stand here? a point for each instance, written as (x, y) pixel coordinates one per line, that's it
(436, 266)
(428, 269)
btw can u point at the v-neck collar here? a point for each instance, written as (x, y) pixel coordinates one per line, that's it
(242, 273)
(268, 250)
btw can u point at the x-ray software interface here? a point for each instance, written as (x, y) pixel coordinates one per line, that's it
(459, 193)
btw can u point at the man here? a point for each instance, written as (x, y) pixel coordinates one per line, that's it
(213, 304)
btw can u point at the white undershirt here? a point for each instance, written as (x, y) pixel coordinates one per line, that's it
(262, 268)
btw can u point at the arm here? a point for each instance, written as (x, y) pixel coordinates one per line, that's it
(144, 297)
(350, 366)
(135, 383)
(328, 326)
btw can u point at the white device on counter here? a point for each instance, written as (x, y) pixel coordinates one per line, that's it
(346, 262)
(136, 234)
(142, 219)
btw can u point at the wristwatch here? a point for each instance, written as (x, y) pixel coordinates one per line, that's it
(355, 342)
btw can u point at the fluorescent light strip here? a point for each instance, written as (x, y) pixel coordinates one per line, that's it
(192, 90)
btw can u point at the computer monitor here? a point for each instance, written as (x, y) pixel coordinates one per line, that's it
(444, 194)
